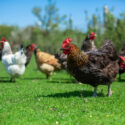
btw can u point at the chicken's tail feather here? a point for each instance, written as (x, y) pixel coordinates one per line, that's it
(109, 49)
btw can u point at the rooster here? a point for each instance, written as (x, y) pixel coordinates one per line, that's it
(46, 63)
(87, 45)
(14, 63)
(94, 67)
(28, 52)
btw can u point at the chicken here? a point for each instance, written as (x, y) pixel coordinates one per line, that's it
(122, 66)
(46, 63)
(88, 43)
(62, 60)
(28, 52)
(14, 63)
(94, 67)
(122, 62)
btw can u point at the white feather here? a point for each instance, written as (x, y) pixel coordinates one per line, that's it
(14, 63)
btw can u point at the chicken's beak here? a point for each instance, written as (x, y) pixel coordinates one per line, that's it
(95, 34)
(61, 49)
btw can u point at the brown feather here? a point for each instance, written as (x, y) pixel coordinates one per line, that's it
(46, 63)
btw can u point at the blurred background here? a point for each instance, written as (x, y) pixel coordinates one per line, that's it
(48, 22)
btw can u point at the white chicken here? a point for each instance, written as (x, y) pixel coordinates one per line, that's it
(14, 63)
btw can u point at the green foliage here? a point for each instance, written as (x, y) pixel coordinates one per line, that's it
(34, 100)
(5, 31)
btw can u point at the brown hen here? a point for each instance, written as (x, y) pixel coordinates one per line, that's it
(46, 63)
(87, 45)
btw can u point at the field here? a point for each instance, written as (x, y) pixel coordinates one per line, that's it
(34, 100)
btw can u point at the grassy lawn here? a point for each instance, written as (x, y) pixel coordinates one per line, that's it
(34, 100)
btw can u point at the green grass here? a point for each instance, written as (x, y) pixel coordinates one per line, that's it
(34, 100)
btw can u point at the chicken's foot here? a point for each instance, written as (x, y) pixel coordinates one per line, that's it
(47, 76)
(94, 93)
(12, 79)
(119, 77)
(109, 90)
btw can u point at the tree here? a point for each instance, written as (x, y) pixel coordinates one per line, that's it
(49, 17)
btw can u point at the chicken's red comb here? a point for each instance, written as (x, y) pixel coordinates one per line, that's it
(122, 58)
(66, 41)
(33, 45)
(92, 33)
(3, 39)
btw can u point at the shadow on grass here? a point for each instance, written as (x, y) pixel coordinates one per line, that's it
(5, 81)
(83, 93)
(121, 80)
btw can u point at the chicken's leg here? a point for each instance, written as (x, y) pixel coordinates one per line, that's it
(48, 75)
(12, 79)
(94, 93)
(109, 90)
(119, 77)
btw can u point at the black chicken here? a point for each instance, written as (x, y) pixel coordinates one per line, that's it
(94, 67)
(88, 43)
(122, 62)
(62, 60)
(28, 52)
